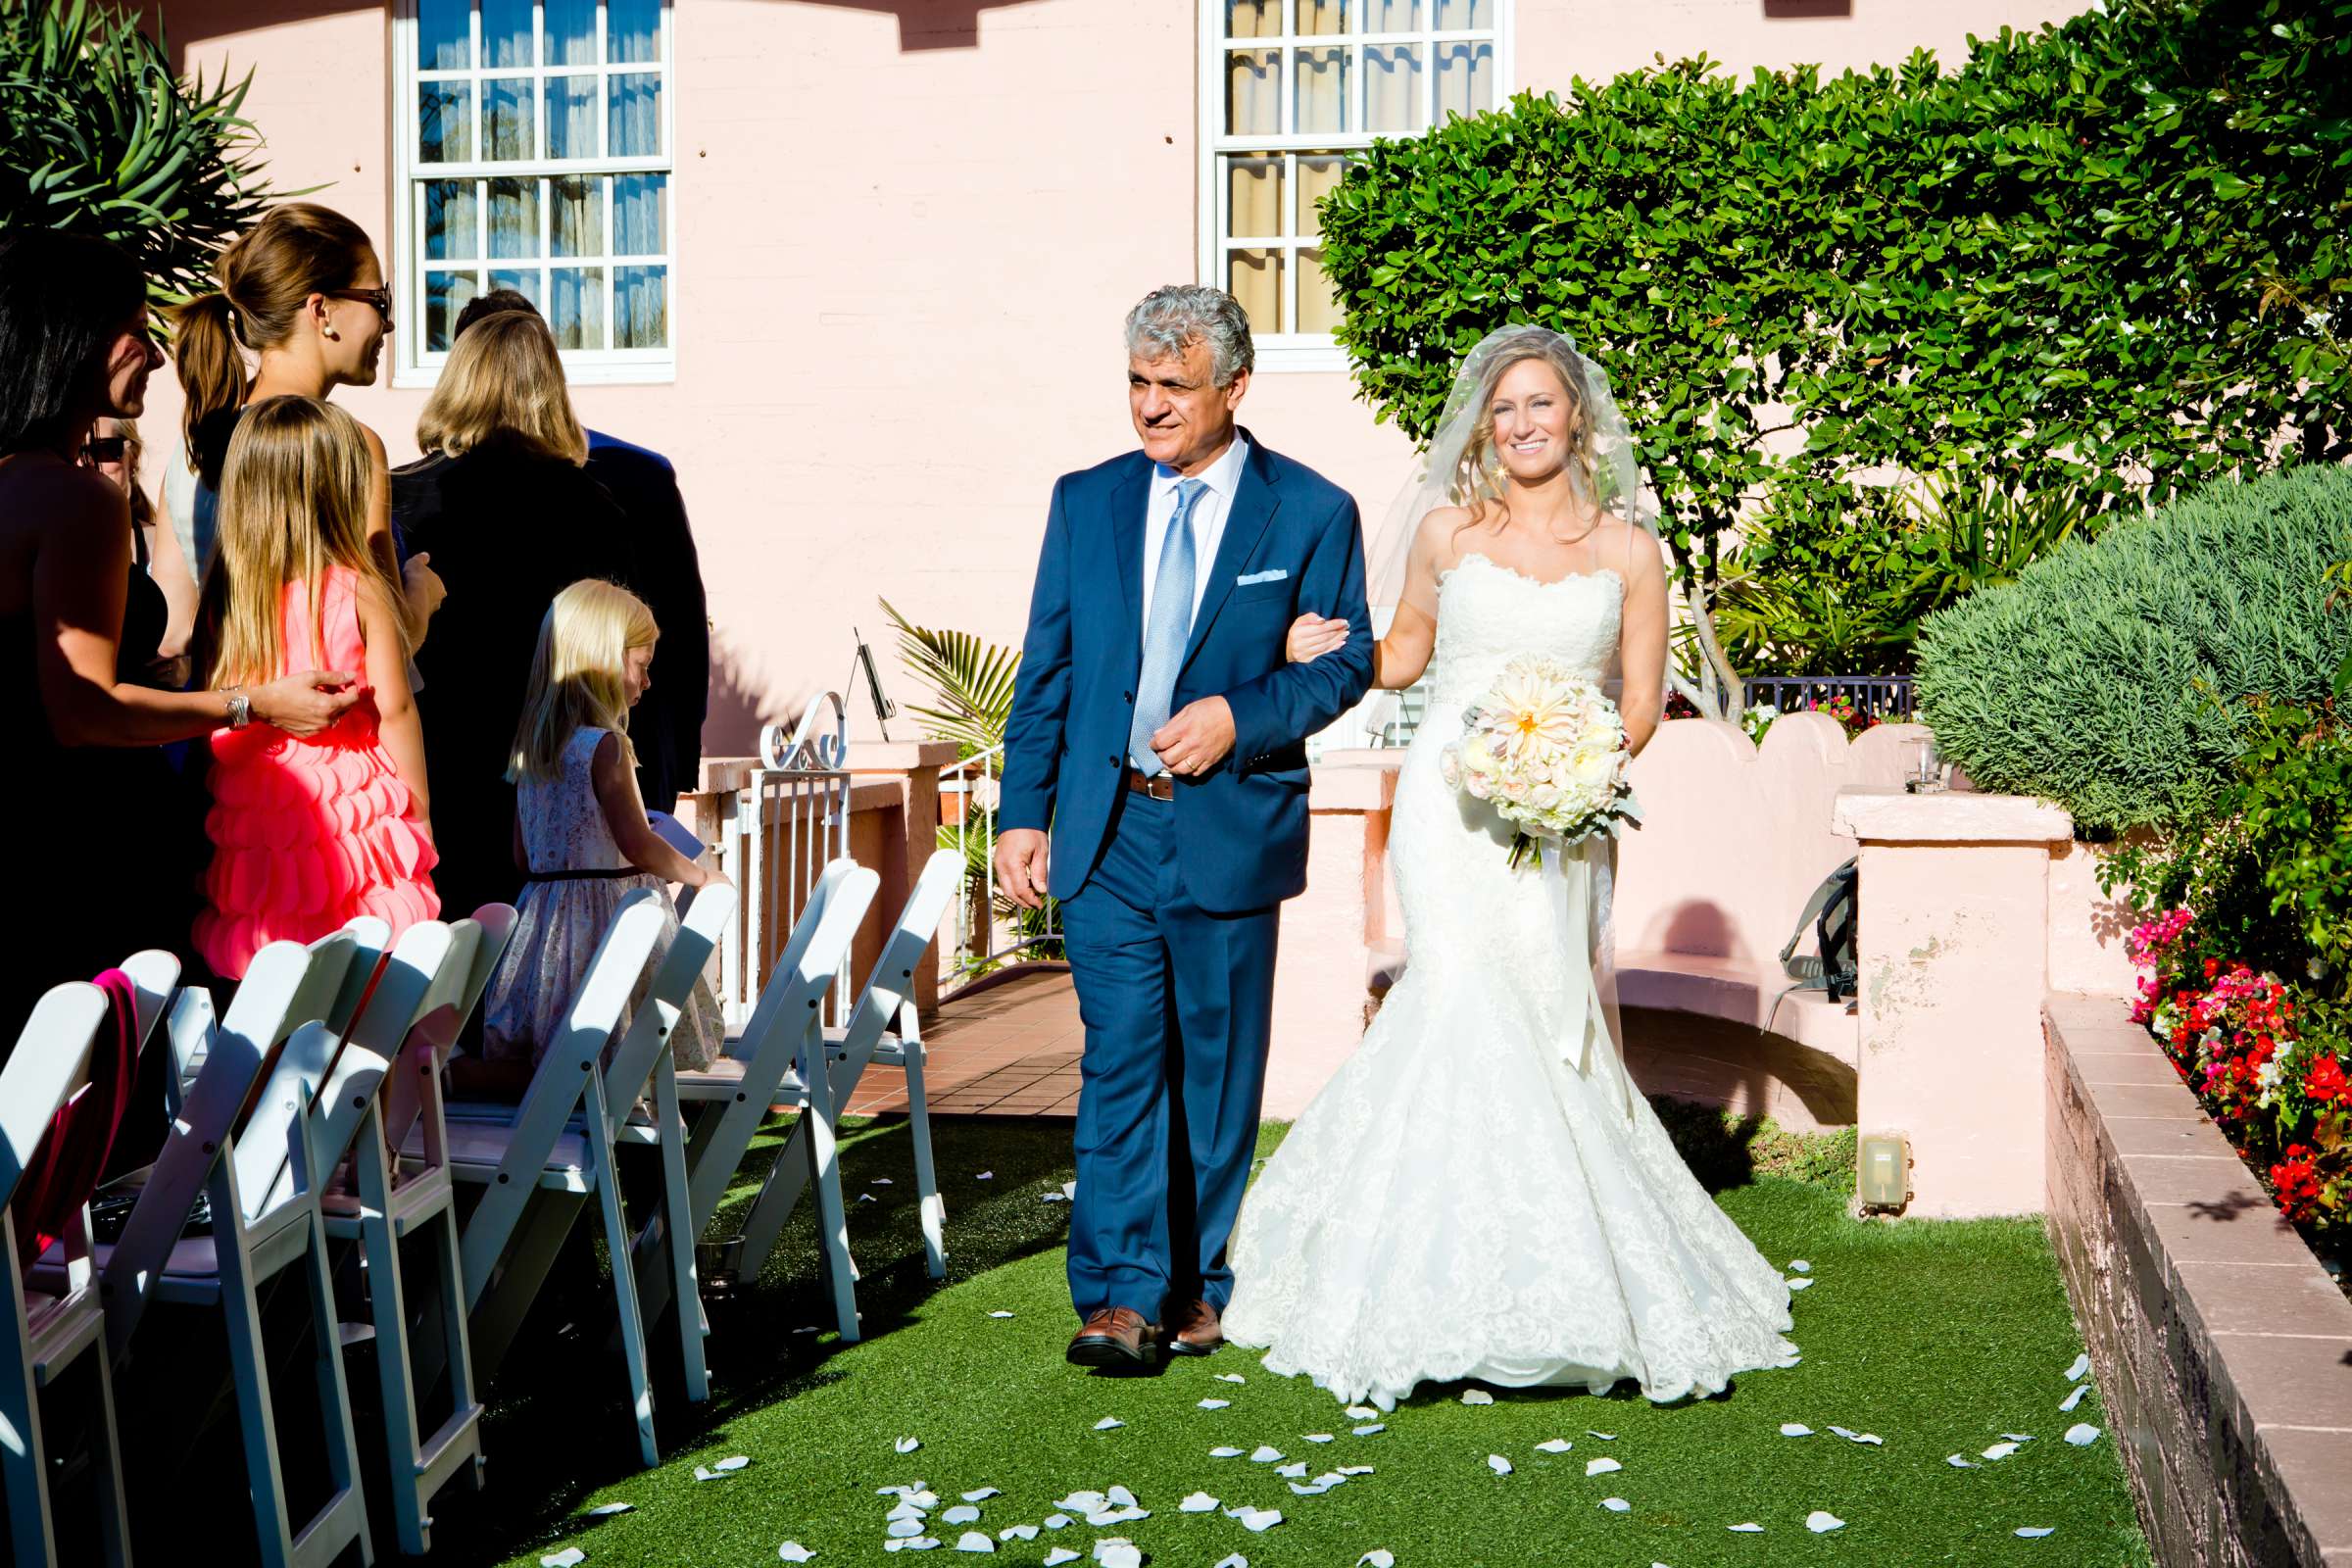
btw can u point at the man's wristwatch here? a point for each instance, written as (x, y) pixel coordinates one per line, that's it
(241, 707)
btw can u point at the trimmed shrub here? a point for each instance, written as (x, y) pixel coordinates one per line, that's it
(2112, 676)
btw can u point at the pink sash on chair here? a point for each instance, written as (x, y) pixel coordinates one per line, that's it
(66, 1167)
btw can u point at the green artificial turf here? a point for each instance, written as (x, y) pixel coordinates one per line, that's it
(1936, 1336)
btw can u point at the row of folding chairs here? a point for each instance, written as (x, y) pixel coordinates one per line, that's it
(311, 1115)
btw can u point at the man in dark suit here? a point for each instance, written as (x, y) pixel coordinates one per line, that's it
(1159, 733)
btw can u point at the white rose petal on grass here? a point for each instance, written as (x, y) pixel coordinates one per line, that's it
(1616, 1504)
(908, 1445)
(1058, 1521)
(1795, 1428)
(1353, 1470)
(794, 1552)
(1372, 1429)
(564, 1558)
(904, 1529)
(732, 1463)
(2036, 1532)
(1752, 1527)
(1958, 1463)
(980, 1494)
(607, 1511)
(1055, 1197)
(2000, 1451)
(1868, 1439)
(1120, 1498)
(1000, 1314)
(1293, 1472)
(2067, 1406)
(866, 1197)
(1082, 1502)
(881, 1181)
(1361, 1413)
(1198, 1503)
(1237, 1560)
(1017, 1532)
(2081, 1434)
(1059, 1555)
(1264, 1454)
(963, 1513)
(1377, 1558)
(1224, 1453)
(1498, 1464)
(1477, 1396)
(1215, 1404)
(984, 1176)
(2080, 1367)
(2019, 1437)
(1257, 1521)
(704, 1473)
(905, 1509)
(1116, 1553)
(1821, 1522)
(1554, 1445)
(1600, 1467)
(1231, 1377)
(1109, 1423)
(1799, 1266)
(1606, 1437)
(1798, 1284)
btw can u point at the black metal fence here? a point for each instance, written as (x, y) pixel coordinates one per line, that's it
(1883, 696)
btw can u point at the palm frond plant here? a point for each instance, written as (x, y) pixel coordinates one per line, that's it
(100, 136)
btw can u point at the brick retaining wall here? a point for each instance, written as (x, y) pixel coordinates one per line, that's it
(2223, 1351)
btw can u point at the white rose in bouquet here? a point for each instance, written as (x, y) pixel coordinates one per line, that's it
(1547, 747)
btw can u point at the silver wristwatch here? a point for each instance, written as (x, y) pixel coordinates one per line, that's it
(241, 707)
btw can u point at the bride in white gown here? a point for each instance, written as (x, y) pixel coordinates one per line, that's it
(1479, 1193)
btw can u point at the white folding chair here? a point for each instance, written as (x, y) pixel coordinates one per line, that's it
(429, 988)
(47, 1332)
(773, 1062)
(554, 1151)
(280, 1007)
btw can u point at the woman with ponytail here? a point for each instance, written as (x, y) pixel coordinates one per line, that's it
(302, 291)
(84, 771)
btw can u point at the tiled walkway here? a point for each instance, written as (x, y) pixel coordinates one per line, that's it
(1008, 1049)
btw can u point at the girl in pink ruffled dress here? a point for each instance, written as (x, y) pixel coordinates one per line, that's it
(308, 832)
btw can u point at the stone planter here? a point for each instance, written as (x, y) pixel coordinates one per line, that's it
(2224, 1352)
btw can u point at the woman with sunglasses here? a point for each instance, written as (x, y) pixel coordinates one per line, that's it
(302, 291)
(84, 771)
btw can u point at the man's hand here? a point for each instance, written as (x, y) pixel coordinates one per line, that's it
(1021, 867)
(1197, 737)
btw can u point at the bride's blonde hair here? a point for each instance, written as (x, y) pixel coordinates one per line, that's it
(580, 675)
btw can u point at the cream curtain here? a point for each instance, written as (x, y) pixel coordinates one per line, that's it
(1393, 95)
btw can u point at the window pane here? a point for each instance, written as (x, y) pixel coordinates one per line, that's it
(524, 283)
(635, 129)
(1255, 278)
(641, 307)
(510, 118)
(1392, 97)
(1391, 16)
(1253, 93)
(578, 213)
(633, 32)
(507, 33)
(451, 216)
(1317, 311)
(441, 35)
(1318, 177)
(572, 117)
(576, 307)
(1320, 18)
(641, 215)
(514, 218)
(1465, 13)
(1323, 89)
(1254, 198)
(445, 295)
(1465, 79)
(572, 32)
(444, 123)
(1243, 19)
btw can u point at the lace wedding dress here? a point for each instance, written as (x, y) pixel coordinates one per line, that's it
(1465, 1199)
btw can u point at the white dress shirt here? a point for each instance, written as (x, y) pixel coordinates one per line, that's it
(1223, 478)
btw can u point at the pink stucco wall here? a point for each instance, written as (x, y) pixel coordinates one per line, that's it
(906, 235)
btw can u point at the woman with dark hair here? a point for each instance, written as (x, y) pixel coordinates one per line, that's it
(512, 519)
(74, 349)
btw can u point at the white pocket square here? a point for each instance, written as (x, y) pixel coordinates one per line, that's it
(1246, 579)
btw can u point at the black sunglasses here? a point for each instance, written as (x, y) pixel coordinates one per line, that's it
(380, 298)
(105, 448)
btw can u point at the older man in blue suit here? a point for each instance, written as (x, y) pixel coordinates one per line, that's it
(1160, 734)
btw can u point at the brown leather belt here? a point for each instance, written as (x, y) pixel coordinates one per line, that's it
(1161, 787)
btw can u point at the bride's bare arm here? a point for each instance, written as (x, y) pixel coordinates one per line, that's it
(1642, 648)
(1399, 658)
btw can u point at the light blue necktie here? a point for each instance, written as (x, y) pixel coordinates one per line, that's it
(1171, 627)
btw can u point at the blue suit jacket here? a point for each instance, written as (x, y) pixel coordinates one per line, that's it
(1240, 829)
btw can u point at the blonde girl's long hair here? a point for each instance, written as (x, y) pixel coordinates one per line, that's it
(503, 386)
(294, 495)
(580, 675)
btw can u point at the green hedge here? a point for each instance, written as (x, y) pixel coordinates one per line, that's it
(2111, 253)
(2112, 676)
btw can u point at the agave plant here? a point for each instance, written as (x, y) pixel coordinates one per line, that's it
(972, 676)
(98, 135)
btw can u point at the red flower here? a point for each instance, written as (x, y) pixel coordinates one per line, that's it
(2295, 1183)
(2326, 1081)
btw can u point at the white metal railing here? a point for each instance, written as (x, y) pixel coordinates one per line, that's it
(776, 834)
(982, 940)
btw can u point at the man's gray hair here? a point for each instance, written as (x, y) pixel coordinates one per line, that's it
(1171, 320)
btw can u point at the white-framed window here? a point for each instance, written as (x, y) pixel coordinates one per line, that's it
(534, 150)
(1290, 90)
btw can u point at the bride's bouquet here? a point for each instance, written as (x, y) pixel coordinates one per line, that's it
(1544, 747)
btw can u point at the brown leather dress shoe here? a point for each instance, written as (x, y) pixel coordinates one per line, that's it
(1194, 1328)
(1115, 1336)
